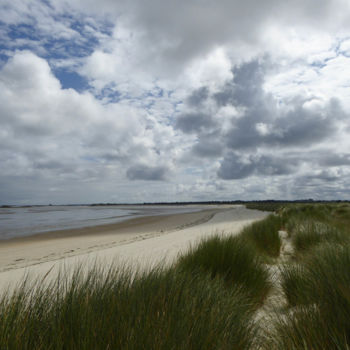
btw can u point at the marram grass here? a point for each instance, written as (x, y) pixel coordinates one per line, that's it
(317, 288)
(233, 259)
(109, 309)
(264, 235)
(309, 234)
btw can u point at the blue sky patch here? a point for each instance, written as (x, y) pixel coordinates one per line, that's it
(71, 80)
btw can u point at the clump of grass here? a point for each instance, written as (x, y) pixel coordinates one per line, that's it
(233, 259)
(340, 217)
(264, 235)
(112, 309)
(305, 328)
(308, 234)
(322, 283)
(300, 212)
(328, 267)
(295, 284)
(337, 215)
(342, 210)
(326, 271)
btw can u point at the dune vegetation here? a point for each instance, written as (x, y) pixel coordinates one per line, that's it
(212, 297)
(316, 280)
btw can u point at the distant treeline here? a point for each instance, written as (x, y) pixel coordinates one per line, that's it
(229, 202)
(264, 205)
(273, 204)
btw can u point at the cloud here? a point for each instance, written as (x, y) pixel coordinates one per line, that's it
(258, 120)
(265, 122)
(209, 147)
(297, 127)
(245, 88)
(246, 98)
(321, 184)
(194, 122)
(144, 172)
(329, 159)
(234, 166)
(247, 131)
(60, 34)
(198, 96)
(48, 127)
(168, 37)
(26, 71)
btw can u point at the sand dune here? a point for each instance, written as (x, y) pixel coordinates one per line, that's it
(140, 242)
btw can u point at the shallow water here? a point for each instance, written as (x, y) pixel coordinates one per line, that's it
(19, 222)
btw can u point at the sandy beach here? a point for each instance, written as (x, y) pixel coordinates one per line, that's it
(141, 242)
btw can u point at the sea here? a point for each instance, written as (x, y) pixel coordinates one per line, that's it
(26, 221)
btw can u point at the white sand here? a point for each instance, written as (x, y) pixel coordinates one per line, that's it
(140, 242)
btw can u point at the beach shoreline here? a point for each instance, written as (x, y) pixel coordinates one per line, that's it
(142, 241)
(58, 244)
(140, 223)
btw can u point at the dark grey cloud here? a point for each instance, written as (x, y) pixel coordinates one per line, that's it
(234, 166)
(298, 127)
(208, 148)
(198, 96)
(326, 176)
(316, 179)
(51, 165)
(148, 173)
(330, 159)
(245, 88)
(323, 184)
(303, 127)
(194, 122)
(295, 126)
(263, 124)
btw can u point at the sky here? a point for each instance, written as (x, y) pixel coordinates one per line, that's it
(130, 101)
